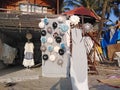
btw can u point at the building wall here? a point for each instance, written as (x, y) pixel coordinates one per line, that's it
(15, 5)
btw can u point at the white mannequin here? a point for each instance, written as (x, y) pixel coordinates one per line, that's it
(28, 54)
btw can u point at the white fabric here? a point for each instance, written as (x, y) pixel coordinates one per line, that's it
(27, 63)
(88, 43)
(8, 54)
(67, 34)
(78, 70)
(29, 47)
(112, 31)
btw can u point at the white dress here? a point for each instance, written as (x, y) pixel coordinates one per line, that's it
(28, 54)
(78, 69)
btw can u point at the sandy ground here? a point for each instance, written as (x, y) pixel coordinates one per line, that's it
(43, 83)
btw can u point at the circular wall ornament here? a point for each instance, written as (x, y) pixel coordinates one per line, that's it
(49, 30)
(58, 39)
(61, 33)
(46, 21)
(43, 39)
(43, 33)
(43, 48)
(60, 62)
(60, 19)
(50, 48)
(41, 25)
(61, 52)
(52, 58)
(56, 48)
(55, 34)
(50, 40)
(62, 46)
(54, 25)
(64, 27)
(45, 57)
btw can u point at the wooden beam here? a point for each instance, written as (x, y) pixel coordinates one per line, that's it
(58, 7)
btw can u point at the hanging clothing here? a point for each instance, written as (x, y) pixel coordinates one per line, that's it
(28, 54)
(79, 66)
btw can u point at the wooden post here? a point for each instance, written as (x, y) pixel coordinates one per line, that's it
(58, 6)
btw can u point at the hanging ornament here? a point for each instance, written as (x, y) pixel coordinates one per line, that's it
(49, 30)
(60, 19)
(45, 57)
(43, 33)
(43, 48)
(64, 27)
(60, 62)
(50, 48)
(62, 46)
(61, 51)
(61, 33)
(74, 19)
(55, 34)
(41, 25)
(50, 40)
(58, 39)
(46, 21)
(43, 39)
(54, 25)
(87, 27)
(56, 48)
(52, 58)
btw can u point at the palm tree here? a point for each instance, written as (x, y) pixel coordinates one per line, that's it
(106, 10)
(101, 7)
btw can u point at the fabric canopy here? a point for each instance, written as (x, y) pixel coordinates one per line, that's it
(82, 11)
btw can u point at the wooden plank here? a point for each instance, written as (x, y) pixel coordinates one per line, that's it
(113, 82)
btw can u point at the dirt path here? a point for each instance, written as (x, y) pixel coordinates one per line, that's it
(64, 83)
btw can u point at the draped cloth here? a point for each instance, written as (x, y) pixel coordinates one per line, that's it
(28, 54)
(78, 69)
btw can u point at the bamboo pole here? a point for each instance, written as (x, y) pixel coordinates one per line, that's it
(58, 7)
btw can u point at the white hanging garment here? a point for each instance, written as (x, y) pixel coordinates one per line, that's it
(78, 70)
(28, 54)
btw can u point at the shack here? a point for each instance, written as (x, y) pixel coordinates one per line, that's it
(17, 18)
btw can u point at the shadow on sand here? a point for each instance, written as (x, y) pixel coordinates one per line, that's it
(62, 84)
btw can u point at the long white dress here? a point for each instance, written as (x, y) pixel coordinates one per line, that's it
(28, 54)
(78, 70)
